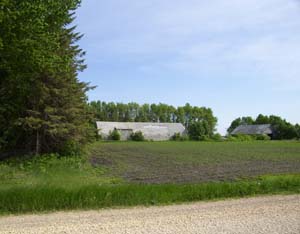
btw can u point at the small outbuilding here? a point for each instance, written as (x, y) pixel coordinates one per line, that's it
(151, 131)
(258, 129)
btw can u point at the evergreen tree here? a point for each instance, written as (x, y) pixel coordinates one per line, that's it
(42, 102)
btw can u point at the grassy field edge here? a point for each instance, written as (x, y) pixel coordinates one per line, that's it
(32, 199)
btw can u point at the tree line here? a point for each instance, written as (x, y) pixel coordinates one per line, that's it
(283, 130)
(200, 121)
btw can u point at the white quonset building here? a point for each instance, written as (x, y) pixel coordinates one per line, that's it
(151, 131)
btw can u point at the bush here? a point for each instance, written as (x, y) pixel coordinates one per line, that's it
(199, 131)
(179, 137)
(137, 136)
(176, 137)
(204, 138)
(217, 137)
(99, 137)
(231, 138)
(262, 137)
(71, 148)
(241, 137)
(115, 135)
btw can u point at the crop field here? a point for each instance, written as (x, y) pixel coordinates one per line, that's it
(148, 173)
(194, 162)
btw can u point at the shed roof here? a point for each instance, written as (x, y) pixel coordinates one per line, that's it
(253, 129)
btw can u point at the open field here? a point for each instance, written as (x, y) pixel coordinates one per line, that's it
(148, 173)
(194, 162)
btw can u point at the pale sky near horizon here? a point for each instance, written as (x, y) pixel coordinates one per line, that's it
(238, 57)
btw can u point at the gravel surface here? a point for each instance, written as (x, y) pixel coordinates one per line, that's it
(272, 215)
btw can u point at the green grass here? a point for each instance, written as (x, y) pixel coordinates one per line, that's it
(148, 173)
(51, 170)
(22, 199)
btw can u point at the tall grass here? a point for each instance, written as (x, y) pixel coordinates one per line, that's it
(37, 198)
(50, 170)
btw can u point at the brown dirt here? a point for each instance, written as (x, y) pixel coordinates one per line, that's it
(208, 173)
(191, 162)
(150, 171)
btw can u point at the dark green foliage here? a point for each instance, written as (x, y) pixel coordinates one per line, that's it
(42, 103)
(297, 127)
(200, 131)
(179, 137)
(217, 137)
(176, 137)
(133, 112)
(262, 137)
(261, 119)
(115, 135)
(137, 136)
(240, 121)
(241, 137)
(71, 148)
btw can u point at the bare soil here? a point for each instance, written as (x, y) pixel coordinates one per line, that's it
(151, 163)
(207, 173)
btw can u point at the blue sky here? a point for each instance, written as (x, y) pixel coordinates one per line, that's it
(239, 57)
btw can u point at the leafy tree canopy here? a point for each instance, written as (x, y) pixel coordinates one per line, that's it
(199, 117)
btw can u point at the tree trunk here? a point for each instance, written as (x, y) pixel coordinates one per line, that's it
(37, 146)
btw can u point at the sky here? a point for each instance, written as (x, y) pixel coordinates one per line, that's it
(238, 57)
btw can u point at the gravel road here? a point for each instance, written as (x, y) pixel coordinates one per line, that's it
(272, 214)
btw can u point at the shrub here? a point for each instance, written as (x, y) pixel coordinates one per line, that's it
(115, 135)
(137, 136)
(246, 137)
(71, 148)
(179, 137)
(99, 137)
(217, 137)
(204, 138)
(199, 131)
(184, 138)
(230, 138)
(176, 137)
(262, 137)
(241, 137)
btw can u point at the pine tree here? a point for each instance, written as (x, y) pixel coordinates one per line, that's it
(41, 92)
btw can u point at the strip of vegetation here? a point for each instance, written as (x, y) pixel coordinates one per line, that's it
(22, 199)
